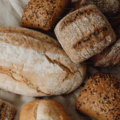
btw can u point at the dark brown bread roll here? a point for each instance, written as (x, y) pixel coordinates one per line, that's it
(100, 97)
(7, 110)
(84, 33)
(43, 14)
(108, 7)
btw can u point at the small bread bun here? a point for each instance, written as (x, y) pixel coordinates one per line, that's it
(7, 110)
(100, 97)
(43, 110)
(43, 14)
(84, 33)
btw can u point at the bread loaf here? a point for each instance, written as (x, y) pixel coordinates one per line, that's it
(84, 33)
(108, 57)
(43, 110)
(34, 64)
(7, 110)
(100, 97)
(43, 14)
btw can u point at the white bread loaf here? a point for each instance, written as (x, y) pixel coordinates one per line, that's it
(43, 110)
(34, 64)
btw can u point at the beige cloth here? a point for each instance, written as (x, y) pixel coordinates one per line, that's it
(10, 15)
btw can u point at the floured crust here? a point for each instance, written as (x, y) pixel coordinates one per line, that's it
(100, 97)
(7, 110)
(43, 14)
(84, 33)
(43, 109)
(108, 57)
(34, 64)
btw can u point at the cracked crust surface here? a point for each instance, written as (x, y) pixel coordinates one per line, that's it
(43, 110)
(34, 64)
(7, 110)
(84, 33)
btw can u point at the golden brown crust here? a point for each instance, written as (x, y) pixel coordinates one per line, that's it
(84, 33)
(43, 14)
(50, 110)
(100, 97)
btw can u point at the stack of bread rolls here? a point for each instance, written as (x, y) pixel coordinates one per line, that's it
(35, 64)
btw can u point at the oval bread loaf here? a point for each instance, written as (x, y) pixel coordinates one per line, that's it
(34, 64)
(43, 110)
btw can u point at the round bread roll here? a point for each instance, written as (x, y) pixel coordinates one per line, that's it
(43, 110)
(100, 97)
(108, 7)
(34, 64)
(84, 33)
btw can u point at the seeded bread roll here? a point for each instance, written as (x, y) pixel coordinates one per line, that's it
(84, 33)
(34, 64)
(7, 110)
(43, 14)
(43, 110)
(100, 97)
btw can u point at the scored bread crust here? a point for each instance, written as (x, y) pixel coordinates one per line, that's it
(7, 110)
(110, 56)
(34, 64)
(84, 33)
(47, 109)
(100, 97)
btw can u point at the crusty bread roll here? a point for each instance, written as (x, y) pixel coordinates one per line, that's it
(108, 57)
(7, 110)
(34, 64)
(108, 7)
(100, 97)
(43, 110)
(43, 14)
(84, 33)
